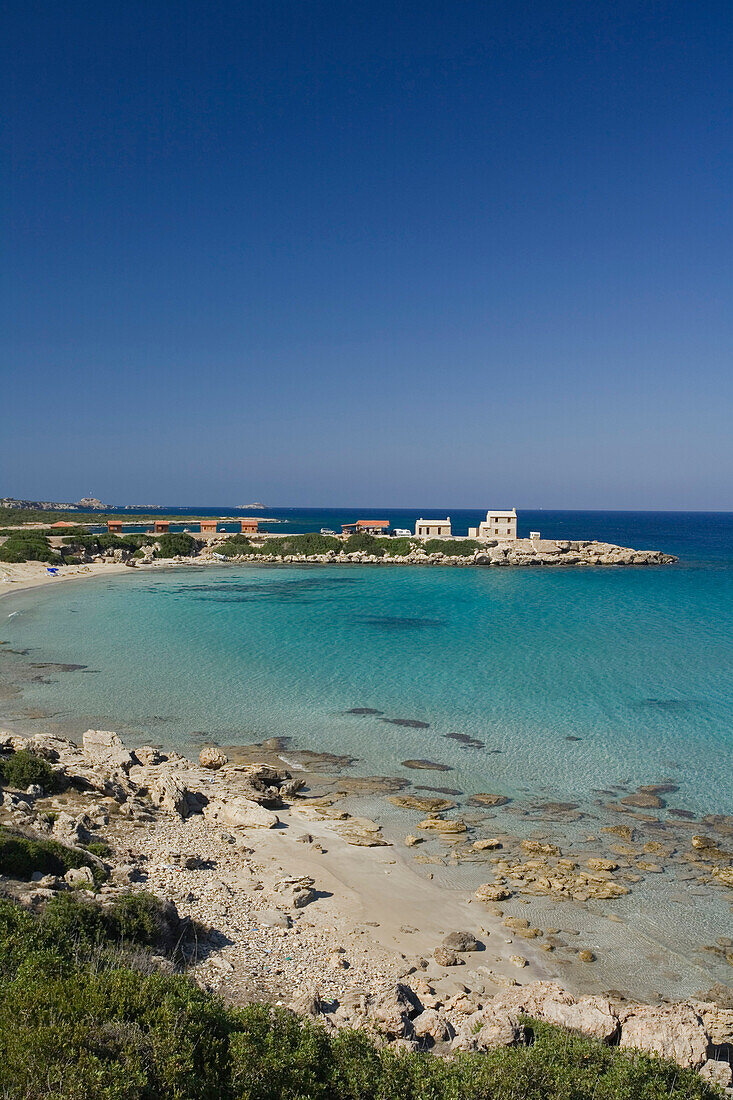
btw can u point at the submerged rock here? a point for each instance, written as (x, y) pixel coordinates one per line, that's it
(488, 800)
(426, 765)
(425, 805)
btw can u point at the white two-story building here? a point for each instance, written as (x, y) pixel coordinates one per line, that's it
(497, 525)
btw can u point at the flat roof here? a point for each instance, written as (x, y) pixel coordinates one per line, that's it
(502, 514)
(446, 520)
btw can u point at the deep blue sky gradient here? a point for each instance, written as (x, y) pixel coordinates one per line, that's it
(373, 253)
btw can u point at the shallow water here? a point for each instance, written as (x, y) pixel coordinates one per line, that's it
(581, 685)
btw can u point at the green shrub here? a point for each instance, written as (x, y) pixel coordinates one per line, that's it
(97, 544)
(24, 768)
(27, 546)
(361, 541)
(397, 548)
(235, 546)
(462, 548)
(308, 544)
(20, 856)
(175, 545)
(99, 848)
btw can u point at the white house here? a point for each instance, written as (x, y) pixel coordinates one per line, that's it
(433, 528)
(497, 525)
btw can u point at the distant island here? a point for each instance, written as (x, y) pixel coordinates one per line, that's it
(257, 504)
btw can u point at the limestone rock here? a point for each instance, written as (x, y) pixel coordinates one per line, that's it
(671, 1031)
(461, 941)
(296, 892)
(211, 757)
(239, 812)
(149, 756)
(593, 1016)
(488, 800)
(80, 877)
(423, 804)
(169, 791)
(103, 747)
(446, 956)
(717, 1073)
(68, 829)
(488, 1029)
(432, 1024)
(491, 891)
(717, 1021)
(441, 825)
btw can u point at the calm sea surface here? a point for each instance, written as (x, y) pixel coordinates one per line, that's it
(575, 680)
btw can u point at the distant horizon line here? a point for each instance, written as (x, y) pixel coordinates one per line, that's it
(400, 508)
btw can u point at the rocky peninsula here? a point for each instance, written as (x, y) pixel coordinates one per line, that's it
(491, 552)
(300, 903)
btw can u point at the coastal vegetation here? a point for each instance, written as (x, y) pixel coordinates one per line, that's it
(457, 548)
(87, 1011)
(98, 544)
(21, 856)
(24, 768)
(23, 546)
(175, 545)
(308, 544)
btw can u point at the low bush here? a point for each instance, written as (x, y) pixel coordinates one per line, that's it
(99, 848)
(308, 544)
(24, 768)
(20, 856)
(176, 545)
(235, 546)
(97, 544)
(397, 548)
(361, 541)
(458, 548)
(27, 546)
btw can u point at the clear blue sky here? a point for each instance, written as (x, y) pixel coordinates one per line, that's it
(330, 253)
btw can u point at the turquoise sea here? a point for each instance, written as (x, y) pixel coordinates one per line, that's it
(579, 684)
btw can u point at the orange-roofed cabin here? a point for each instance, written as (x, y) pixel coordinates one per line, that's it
(366, 526)
(114, 526)
(209, 526)
(161, 526)
(248, 526)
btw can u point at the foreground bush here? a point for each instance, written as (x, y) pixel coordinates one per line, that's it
(80, 1024)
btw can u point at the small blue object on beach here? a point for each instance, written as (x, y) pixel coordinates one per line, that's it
(52, 569)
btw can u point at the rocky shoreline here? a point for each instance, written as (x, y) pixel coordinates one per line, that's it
(264, 864)
(492, 552)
